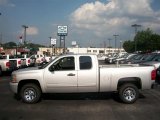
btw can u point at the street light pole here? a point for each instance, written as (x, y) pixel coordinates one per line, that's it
(115, 40)
(25, 27)
(136, 27)
(120, 45)
(109, 44)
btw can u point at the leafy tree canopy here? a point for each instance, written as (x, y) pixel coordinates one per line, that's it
(145, 41)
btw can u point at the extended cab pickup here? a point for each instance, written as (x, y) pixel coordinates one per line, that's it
(81, 73)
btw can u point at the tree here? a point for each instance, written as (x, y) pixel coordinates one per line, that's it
(146, 41)
(128, 46)
(9, 45)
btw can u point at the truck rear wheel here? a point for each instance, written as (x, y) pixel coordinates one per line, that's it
(30, 93)
(0, 71)
(128, 93)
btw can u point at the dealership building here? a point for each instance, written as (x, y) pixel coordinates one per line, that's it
(57, 51)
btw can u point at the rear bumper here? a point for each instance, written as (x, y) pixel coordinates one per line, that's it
(155, 85)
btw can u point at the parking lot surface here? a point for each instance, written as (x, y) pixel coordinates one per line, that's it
(104, 106)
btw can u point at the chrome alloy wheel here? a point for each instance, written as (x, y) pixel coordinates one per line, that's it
(129, 94)
(30, 94)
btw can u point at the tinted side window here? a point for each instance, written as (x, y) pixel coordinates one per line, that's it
(85, 62)
(66, 63)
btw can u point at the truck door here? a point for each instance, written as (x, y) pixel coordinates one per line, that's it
(61, 76)
(87, 75)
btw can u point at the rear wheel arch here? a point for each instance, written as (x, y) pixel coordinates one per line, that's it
(129, 80)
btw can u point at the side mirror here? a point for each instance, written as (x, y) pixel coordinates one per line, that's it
(51, 68)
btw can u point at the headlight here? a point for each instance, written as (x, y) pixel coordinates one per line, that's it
(13, 78)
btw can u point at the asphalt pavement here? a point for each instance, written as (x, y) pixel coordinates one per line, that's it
(104, 106)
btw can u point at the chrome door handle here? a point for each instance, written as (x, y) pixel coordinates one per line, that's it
(70, 74)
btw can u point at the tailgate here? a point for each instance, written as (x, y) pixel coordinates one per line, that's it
(13, 64)
(23, 62)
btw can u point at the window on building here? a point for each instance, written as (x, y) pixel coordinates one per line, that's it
(89, 51)
(101, 51)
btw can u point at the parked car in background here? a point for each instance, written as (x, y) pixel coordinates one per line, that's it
(123, 58)
(110, 60)
(7, 64)
(13, 58)
(25, 60)
(39, 59)
(135, 59)
(102, 57)
(147, 58)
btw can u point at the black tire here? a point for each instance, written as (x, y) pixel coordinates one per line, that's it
(128, 93)
(0, 71)
(30, 93)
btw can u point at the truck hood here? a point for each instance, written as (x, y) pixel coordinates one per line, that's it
(31, 70)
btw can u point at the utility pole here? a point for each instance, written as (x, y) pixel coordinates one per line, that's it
(50, 45)
(136, 27)
(109, 46)
(25, 27)
(115, 40)
(120, 46)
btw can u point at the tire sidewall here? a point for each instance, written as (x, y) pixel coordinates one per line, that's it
(0, 71)
(34, 88)
(123, 88)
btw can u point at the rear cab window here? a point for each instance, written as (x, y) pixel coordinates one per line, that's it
(85, 62)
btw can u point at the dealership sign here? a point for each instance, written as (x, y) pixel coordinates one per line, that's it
(62, 30)
(53, 41)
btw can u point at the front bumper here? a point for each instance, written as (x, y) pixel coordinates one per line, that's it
(14, 87)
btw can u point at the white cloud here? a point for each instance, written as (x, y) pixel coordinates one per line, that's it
(7, 3)
(32, 30)
(114, 16)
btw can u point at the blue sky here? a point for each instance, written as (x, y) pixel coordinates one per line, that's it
(90, 22)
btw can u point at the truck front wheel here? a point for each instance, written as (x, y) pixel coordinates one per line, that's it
(30, 93)
(128, 93)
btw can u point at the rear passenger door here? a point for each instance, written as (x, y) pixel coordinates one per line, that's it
(87, 75)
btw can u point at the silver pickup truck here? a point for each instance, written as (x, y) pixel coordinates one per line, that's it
(81, 73)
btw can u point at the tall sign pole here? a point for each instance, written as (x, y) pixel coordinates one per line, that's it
(62, 32)
(53, 43)
(25, 27)
(115, 40)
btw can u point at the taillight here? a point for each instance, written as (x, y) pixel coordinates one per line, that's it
(7, 64)
(153, 74)
(19, 62)
(29, 61)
